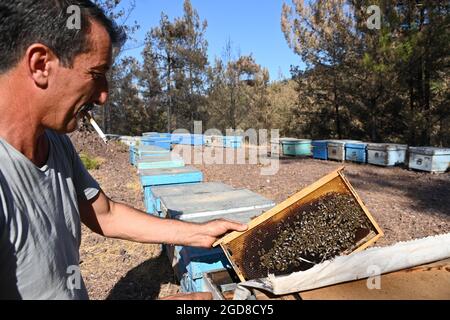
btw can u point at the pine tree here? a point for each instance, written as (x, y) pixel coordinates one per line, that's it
(175, 61)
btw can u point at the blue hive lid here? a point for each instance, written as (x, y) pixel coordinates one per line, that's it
(320, 143)
(294, 141)
(341, 142)
(360, 145)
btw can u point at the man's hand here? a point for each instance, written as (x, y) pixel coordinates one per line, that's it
(209, 232)
(190, 296)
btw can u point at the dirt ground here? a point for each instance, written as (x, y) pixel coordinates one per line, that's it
(406, 204)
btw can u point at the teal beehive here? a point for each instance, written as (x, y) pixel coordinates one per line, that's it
(296, 147)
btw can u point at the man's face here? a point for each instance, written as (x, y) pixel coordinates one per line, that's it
(86, 82)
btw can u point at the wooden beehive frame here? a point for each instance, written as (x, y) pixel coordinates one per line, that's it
(293, 200)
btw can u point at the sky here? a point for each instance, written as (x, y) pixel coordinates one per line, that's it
(252, 26)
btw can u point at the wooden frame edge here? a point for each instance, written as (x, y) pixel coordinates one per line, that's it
(380, 232)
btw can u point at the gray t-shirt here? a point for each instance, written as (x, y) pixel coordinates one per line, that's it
(40, 230)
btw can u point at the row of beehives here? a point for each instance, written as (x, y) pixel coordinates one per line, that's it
(166, 140)
(429, 159)
(173, 190)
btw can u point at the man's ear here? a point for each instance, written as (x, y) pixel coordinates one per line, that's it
(40, 60)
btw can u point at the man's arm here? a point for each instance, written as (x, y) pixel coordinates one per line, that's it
(116, 220)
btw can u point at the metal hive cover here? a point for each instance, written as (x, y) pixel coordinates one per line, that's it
(431, 151)
(165, 171)
(320, 222)
(196, 205)
(386, 146)
(189, 188)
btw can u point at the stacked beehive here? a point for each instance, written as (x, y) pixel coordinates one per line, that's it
(175, 191)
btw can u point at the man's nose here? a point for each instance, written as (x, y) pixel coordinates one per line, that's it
(102, 98)
(102, 94)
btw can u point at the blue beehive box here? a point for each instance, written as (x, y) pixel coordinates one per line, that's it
(167, 176)
(175, 138)
(320, 149)
(163, 142)
(157, 177)
(429, 159)
(386, 154)
(189, 285)
(192, 280)
(185, 189)
(165, 135)
(197, 140)
(356, 152)
(190, 263)
(186, 139)
(156, 134)
(182, 138)
(194, 261)
(176, 253)
(234, 145)
(232, 141)
(149, 156)
(150, 134)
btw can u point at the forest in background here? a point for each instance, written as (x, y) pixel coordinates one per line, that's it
(381, 85)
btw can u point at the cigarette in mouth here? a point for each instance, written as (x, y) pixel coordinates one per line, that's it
(95, 125)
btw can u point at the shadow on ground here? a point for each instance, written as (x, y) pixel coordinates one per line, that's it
(427, 192)
(144, 281)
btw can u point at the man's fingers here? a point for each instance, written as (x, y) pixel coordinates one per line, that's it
(236, 226)
(202, 296)
(190, 296)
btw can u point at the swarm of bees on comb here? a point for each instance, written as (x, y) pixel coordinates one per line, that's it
(307, 235)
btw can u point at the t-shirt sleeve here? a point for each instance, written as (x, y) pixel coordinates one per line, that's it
(2, 212)
(3, 206)
(85, 185)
